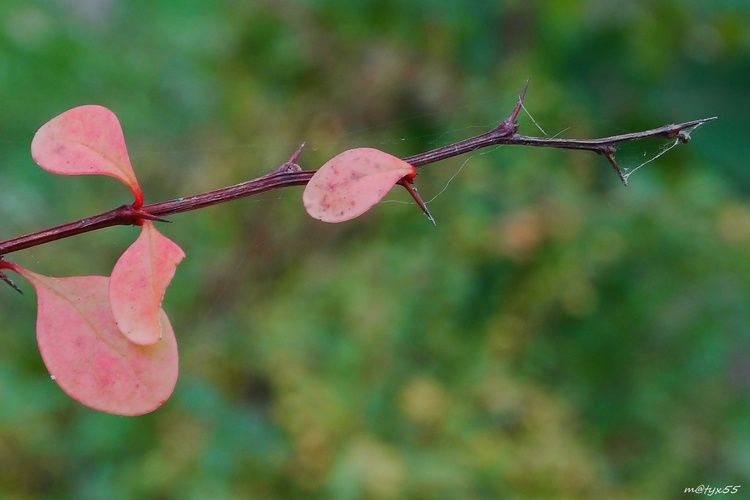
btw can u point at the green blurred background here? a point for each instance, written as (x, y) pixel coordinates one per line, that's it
(555, 336)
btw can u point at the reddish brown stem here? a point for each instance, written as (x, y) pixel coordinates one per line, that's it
(290, 174)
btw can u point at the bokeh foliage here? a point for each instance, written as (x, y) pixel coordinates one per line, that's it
(556, 336)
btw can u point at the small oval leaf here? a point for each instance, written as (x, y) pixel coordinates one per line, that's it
(138, 282)
(87, 355)
(351, 183)
(85, 140)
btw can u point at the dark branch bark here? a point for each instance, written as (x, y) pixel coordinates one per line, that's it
(290, 174)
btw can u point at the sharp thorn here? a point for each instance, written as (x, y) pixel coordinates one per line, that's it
(615, 166)
(289, 166)
(296, 154)
(519, 104)
(522, 96)
(429, 216)
(414, 194)
(10, 282)
(145, 215)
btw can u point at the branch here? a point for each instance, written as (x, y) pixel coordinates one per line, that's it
(291, 174)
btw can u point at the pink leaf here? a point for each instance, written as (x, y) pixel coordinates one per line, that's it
(138, 282)
(85, 140)
(349, 184)
(87, 355)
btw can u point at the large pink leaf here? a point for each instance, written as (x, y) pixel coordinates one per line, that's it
(349, 184)
(87, 355)
(85, 140)
(138, 282)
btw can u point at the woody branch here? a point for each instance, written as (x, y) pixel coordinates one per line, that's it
(291, 174)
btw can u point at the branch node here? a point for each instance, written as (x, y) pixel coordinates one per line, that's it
(128, 215)
(509, 127)
(290, 166)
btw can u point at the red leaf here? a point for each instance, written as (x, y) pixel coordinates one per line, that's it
(349, 184)
(88, 356)
(138, 282)
(85, 140)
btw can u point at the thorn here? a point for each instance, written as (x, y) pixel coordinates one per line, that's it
(519, 104)
(522, 95)
(296, 154)
(135, 216)
(289, 166)
(611, 158)
(141, 214)
(414, 194)
(10, 282)
(508, 127)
